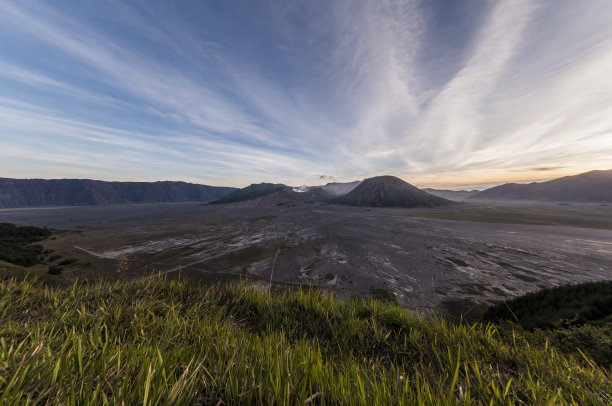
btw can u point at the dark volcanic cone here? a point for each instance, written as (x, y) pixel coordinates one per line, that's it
(251, 192)
(389, 191)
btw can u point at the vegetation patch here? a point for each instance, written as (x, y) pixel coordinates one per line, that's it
(383, 295)
(55, 270)
(67, 261)
(576, 318)
(575, 304)
(17, 244)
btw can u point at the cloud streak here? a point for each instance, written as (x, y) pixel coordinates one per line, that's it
(285, 92)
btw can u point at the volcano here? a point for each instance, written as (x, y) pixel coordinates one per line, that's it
(389, 191)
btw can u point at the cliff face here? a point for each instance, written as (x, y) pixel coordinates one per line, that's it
(86, 192)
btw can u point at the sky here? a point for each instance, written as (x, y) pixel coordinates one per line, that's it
(447, 94)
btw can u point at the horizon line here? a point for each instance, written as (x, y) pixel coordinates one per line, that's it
(455, 186)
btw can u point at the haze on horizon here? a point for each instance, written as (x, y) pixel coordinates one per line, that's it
(441, 94)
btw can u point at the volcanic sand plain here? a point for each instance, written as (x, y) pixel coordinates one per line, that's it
(454, 260)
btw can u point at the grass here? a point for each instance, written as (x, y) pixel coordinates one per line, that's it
(175, 342)
(571, 316)
(580, 304)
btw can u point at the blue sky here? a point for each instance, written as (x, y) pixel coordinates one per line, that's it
(441, 93)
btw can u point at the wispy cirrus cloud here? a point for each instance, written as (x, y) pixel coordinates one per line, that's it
(454, 117)
(285, 91)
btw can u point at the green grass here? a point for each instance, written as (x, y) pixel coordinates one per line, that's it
(577, 304)
(176, 342)
(570, 316)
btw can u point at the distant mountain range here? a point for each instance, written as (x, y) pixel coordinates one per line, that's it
(86, 192)
(588, 187)
(389, 191)
(381, 191)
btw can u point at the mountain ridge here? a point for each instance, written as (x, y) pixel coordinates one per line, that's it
(22, 193)
(587, 187)
(253, 191)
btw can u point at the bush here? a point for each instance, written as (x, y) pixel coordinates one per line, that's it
(55, 270)
(16, 244)
(68, 261)
(574, 318)
(570, 305)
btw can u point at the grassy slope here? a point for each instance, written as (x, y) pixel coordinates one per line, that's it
(173, 342)
(570, 316)
(582, 303)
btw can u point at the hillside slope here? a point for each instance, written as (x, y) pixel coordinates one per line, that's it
(251, 192)
(389, 191)
(86, 192)
(336, 189)
(575, 317)
(455, 195)
(160, 342)
(580, 304)
(588, 187)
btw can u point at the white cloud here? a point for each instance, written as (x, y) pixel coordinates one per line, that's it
(525, 94)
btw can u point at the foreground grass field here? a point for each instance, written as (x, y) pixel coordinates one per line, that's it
(174, 342)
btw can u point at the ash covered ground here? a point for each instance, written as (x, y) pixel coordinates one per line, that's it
(453, 260)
